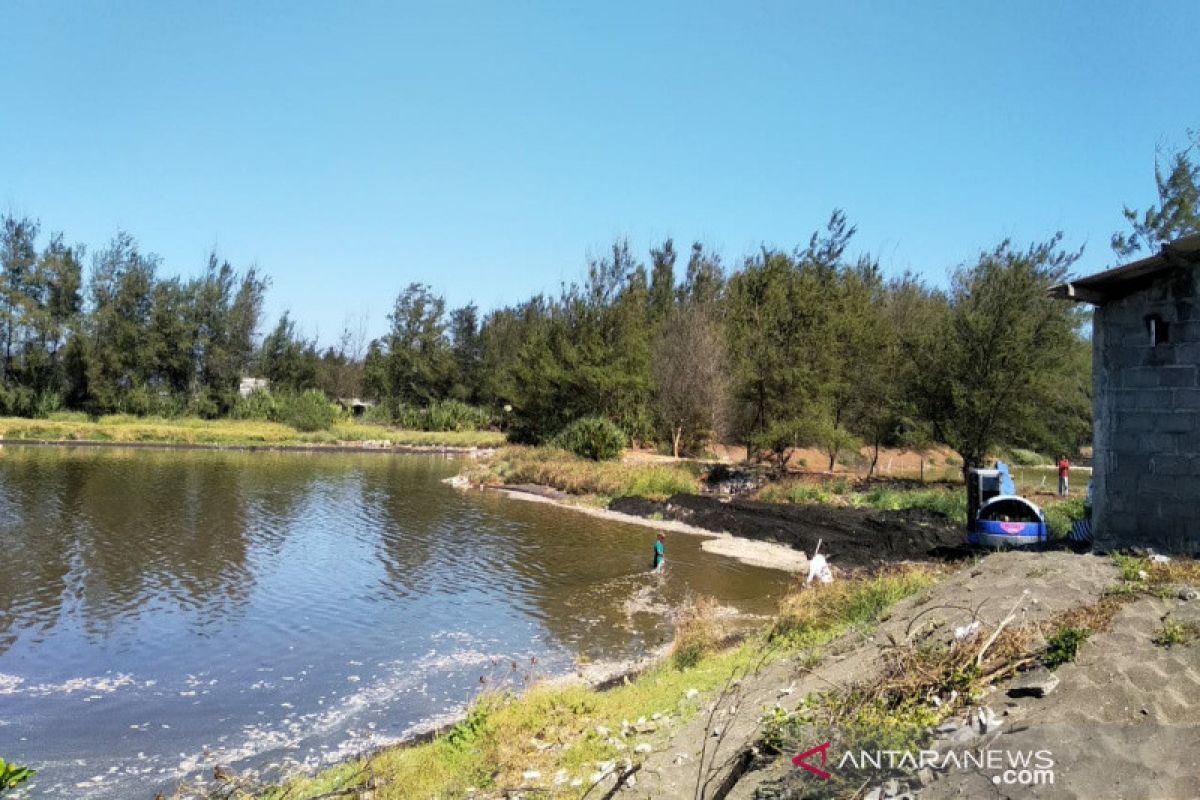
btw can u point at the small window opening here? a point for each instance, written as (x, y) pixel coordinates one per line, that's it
(1159, 331)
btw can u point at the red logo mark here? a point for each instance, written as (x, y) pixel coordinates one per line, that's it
(823, 749)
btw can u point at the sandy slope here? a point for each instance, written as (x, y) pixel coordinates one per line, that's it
(1040, 585)
(1124, 723)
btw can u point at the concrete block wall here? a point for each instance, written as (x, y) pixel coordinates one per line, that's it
(1147, 419)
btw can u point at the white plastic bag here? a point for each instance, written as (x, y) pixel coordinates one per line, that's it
(818, 569)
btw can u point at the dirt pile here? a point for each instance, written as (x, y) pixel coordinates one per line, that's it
(852, 537)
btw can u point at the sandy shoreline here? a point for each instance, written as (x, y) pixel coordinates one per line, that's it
(748, 551)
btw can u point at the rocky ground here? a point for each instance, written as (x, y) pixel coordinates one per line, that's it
(1119, 721)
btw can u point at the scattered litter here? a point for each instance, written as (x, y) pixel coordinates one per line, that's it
(818, 567)
(963, 631)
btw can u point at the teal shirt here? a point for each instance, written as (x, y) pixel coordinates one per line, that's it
(660, 554)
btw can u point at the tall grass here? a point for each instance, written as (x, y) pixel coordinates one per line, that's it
(817, 613)
(950, 503)
(568, 473)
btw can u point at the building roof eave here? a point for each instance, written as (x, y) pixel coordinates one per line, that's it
(1101, 287)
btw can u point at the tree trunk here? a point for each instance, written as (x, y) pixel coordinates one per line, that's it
(874, 460)
(678, 434)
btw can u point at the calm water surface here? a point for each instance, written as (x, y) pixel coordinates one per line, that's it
(161, 612)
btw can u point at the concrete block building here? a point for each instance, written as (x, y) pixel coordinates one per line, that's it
(1146, 399)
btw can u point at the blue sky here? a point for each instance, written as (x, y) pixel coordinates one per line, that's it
(488, 148)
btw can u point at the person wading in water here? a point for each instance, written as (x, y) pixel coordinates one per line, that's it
(660, 551)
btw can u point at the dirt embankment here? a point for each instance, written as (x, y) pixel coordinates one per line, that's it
(851, 537)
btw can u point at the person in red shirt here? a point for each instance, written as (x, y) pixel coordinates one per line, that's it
(1064, 471)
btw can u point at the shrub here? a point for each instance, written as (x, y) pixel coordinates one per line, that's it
(441, 415)
(145, 401)
(1061, 516)
(1027, 458)
(203, 405)
(259, 404)
(454, 415)
(794, 492)
(948, 503)
(307, 412)
(592, 437)
(1063, 645)
(1175, 632)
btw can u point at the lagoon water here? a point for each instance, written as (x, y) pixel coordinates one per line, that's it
(163, 612)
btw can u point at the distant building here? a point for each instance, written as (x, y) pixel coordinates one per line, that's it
(250, 385)
(1146, 399)
(355, 406)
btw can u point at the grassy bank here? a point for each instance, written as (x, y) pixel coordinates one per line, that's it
(564, 731)
(560, 470)
(120, 428)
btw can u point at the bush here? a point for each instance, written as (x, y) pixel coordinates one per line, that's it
(592, 437)
(203, 405)
(307, 412)
(145, 401)
(1061, 516)
(951, 504)
(1063, 645)
(259, 404)
(441, 415)
(794, 492)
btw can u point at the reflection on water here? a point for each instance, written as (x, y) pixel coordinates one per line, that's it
(290, 608)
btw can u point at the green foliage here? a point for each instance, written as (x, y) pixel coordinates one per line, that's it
(803, 347)
(442, 415)
(259, 404)
(1133, 568)
(1027, 458)
(794, 492)
(1178, 211)
(1000, 306)
(1062, 515)
(307, 411)
(592, 437)
(569, 473)
(813, 616)
(1174, 632)
(12, 775)
(1063, 645)
(950, 503)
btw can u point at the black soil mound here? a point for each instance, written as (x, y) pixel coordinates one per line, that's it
(851, 537)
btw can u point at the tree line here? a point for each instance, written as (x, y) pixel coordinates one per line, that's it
(811, 346)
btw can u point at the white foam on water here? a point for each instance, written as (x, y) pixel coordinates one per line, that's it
(96, 685)
(290, 733)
